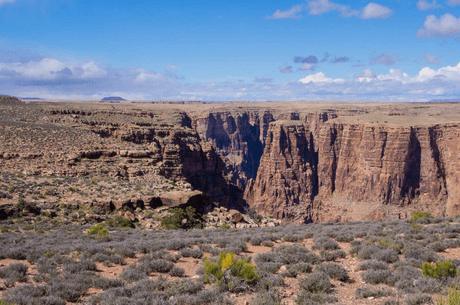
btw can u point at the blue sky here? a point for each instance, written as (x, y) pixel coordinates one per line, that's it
(231, 50)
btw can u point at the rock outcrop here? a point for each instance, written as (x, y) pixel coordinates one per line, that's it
(302, 163)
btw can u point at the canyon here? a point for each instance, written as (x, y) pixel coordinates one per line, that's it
(297, 162)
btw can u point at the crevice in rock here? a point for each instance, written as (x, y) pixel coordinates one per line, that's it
(436, 154)
(411, 179)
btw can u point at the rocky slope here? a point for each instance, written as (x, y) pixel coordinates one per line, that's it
(312, 162)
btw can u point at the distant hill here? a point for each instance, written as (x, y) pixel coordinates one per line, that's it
(9, 100)
(112, 99)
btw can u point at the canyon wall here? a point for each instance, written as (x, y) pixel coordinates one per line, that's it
(311, 168)
(302, 163)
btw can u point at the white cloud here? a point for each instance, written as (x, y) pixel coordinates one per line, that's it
(319, 7)
(445, 25)
(3, 2)
(425, 5)
(447, 73)
(375, 11)
(50, 69)
(370, 11)
(292, 13)
(320, 78)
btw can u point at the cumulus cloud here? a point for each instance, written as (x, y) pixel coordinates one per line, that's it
(319, 7)
(50, 69)
(371, 11)
(445, 25)
(425, 5)
(292, 13)
(375, 11)
(447, 74)
(320, 78)
(50, 77)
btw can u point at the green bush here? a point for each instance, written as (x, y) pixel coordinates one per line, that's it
(439, 270)
(452, 298)
(179, 218)
(4, 303)
(420, 216)
(98, 230)
(229, 265)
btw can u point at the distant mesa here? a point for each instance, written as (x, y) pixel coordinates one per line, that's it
(28, 98)
(112, 99)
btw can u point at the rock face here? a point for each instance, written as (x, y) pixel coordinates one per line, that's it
(300, 163)
(320, 174)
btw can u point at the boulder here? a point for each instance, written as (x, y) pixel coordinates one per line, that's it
(178, 198)
(235, 216)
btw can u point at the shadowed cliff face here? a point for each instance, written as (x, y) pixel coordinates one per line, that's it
(311, 169)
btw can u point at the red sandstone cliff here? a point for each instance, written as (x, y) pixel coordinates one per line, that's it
(356, 171)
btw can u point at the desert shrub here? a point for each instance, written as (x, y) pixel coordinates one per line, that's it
(70, 288)
(293, 254)
(439, 246)
(256, 240)
(404, 277)
(420, 216)
(439, 270)
(419, 254)
(228, 266)
(292, 238)
(14, 273)
(367, 251)
(179, 218)
(308, 298)
(373, 265)
(332, 255)
(266, 298)
(452, 298)
(377, 276)
(386, 255)
(366, 292)
(418, 299)
(316, 282)
(326, 243)
(268, 281)
(334, 271)
(98, 230)
(388, 243)
(156, 265)
(82, 265)
(191, 252)
(120, 222)
(133, 274)
(269, 267)
(294, 270)
(106, 283)
(177, 271)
